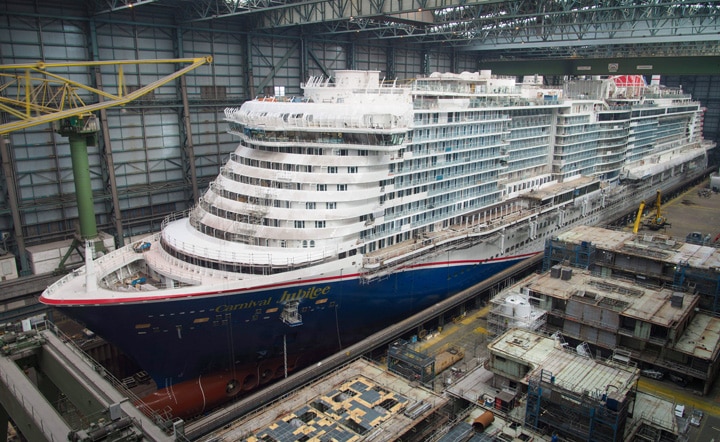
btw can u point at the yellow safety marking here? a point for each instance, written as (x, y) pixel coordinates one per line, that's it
(678, 397)
(482, 330)
(483, 311)
(427, 343)
(467, 320)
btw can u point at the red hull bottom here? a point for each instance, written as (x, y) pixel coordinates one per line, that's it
(194, 397)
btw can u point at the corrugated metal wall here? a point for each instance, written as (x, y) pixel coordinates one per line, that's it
(149, 148)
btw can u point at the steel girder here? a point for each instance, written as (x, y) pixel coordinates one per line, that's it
(518, 28)
(478, 23)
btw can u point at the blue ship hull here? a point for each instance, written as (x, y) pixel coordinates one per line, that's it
(181, 339)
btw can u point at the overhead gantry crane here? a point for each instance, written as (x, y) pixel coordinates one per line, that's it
(34, 95)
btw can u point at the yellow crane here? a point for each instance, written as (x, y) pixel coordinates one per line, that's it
(638, 218)
(658, 222)
(33, 94)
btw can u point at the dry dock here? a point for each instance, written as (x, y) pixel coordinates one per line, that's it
(369, 394)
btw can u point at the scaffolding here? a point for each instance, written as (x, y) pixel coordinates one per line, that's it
(514, 310)
(704, 282)
(409, 363)
(574, 415)
(290, 314)
(577, 255)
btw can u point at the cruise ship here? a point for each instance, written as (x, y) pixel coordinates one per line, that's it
(365, 201)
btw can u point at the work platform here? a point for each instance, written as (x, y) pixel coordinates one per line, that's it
(360, 399)
(53, 391)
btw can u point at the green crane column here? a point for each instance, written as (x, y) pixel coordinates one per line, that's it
(83, 189)
(79, 131)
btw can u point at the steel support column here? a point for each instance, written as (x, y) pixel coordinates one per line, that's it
(350, 49)
(83, 188)
(107, 165)
(248, 65)
(425, 63)
(390, 62)
(109, 170)
(188, 147)
(304, 74)
(11, 182)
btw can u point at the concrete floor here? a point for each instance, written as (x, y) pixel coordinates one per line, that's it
(689, 212)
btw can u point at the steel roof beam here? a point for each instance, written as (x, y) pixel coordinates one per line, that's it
(521, 26)
(119, 5)
(280, 13)
(626, 50)
(490, 24)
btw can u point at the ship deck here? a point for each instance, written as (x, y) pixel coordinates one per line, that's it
(486, 220)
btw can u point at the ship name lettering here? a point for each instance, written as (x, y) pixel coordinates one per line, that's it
(310, 293)
(250, 304)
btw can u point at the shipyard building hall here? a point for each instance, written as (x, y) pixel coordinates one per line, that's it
(350, 221)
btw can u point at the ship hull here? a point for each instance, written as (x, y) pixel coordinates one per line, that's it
(178, 340)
